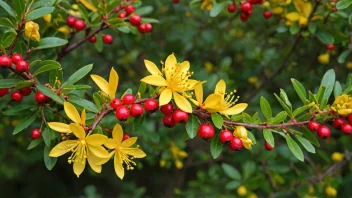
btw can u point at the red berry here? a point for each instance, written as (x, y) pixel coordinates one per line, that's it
(246, 7)
(346, 129)
(148, 27)
(122, 15)
(136, 110)
(22, 66)
(92, 39)
(323, 132)
(235, 144)
(151, 105)
(36, 134)
(142, 28)
(40, 97)
(334, 9)
(253, 1)
(176, 1)
(125, 136)
(122, 113)
(249, 13)
(267, 14)
(128, 99)
(338, 122)
(79, 25)
(330, 47)
(16, 57)
(313, 125)
(25, 91)
(167, 109)
(225, 136)
(71, 21)
(267, 146)
(169, 121)
(349, 118)
(4, 91)
(129, 9)
(108, 39)
(206, 131)
(135, 20)
(180, 116)
(244, 17)
(5, 61)
(115, 103)
(16, 96)
(231, 8)
(260, 1)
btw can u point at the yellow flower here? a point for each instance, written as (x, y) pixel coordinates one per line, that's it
(207, 5)
(64, 29)
(71, 113)
(242, 133)
(303, 7)
(209, 67)
(162, 163)
(330, 191)
(292, 16)
(177, 154)
(349, 65)
(123, 150)
(342, 105)
(242, 191)
(278, 10)
(88, 5)
(31, 30)
(324, 58)
(280, 2)
(108, 88)
(266, 4)
(252, 80)
(210, 103)
(253, 195)
(303, 21)
(336, 156)
(85, 147)
(226, 105)
(47, 18)
(175, 83)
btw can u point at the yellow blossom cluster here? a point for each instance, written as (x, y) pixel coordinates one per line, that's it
(342, 105)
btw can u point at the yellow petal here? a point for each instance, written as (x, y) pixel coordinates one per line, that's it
(165, 97)
(220, 87)
(62, 148)
(59, 127)
(154, 80)
(117, 134)
(304, 8)
(88, 5)
(192, 83)
(83, 117)
(212, 101)
(184, 66)
(99, 151)
(92, 161)
(152, 68)
(129, 142)
(113, 82)
(102, 84)
(120, 172)
(182, 103)
(194, 102)
(198, 92)
(235, 109)
(292, 16)
(102, 161)
(78, 167)
(72, 112)
(110, 144)
(170, 65)
(78, 130)
(96, 139)
(135, 152)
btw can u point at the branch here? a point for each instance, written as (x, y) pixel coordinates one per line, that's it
(100, 117)
(19, 33)
(271, 181)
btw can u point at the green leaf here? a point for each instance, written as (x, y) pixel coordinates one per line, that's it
(300, 90)
(337, 89)
(97, 100)
(306, 144)
(128, 91)
(24, 84)
(138, 122)
(252, 137)
(115, 21)
(55, 76)
(9, 83)
(49, 161)
(328, 81)
(8, 38)
(142, 88)
(342, 58)
(19, 109)
(343, 4)
(280, 117)
(142, 11)
(23, 124)
(78, 75)
(283, 104)
(19, 6)
(217, 120)
(6, 23)
(310, 136)
(50, 42)
(232, 185)
(46, 136)
(7, 8)
(265, 107)
(300, 110)
(83, 11)
(325, 37)
(268, 136)
(312, 27)
(34, 143)
(217, 8)
(194, 2)
(248, 169)
(284, 97)
(88, 105)
(48, 92)
(43, 3)
(125, 29)
(192, 126)
(99, 43)
(294, 28)
(149, 20)
(320, 94)
(40, 12)
(231, 171)
(47, 66)
(294, 148)
(216, 146)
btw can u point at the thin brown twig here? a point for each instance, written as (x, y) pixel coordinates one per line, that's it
(265, 170)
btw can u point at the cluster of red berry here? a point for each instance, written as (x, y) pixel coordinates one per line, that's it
(25, 91)
(330, 47)
(333, 4)
(171, 116)
(322, 130)
(247, 9)
(135, 19)
(21, 65)
(79, 24)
